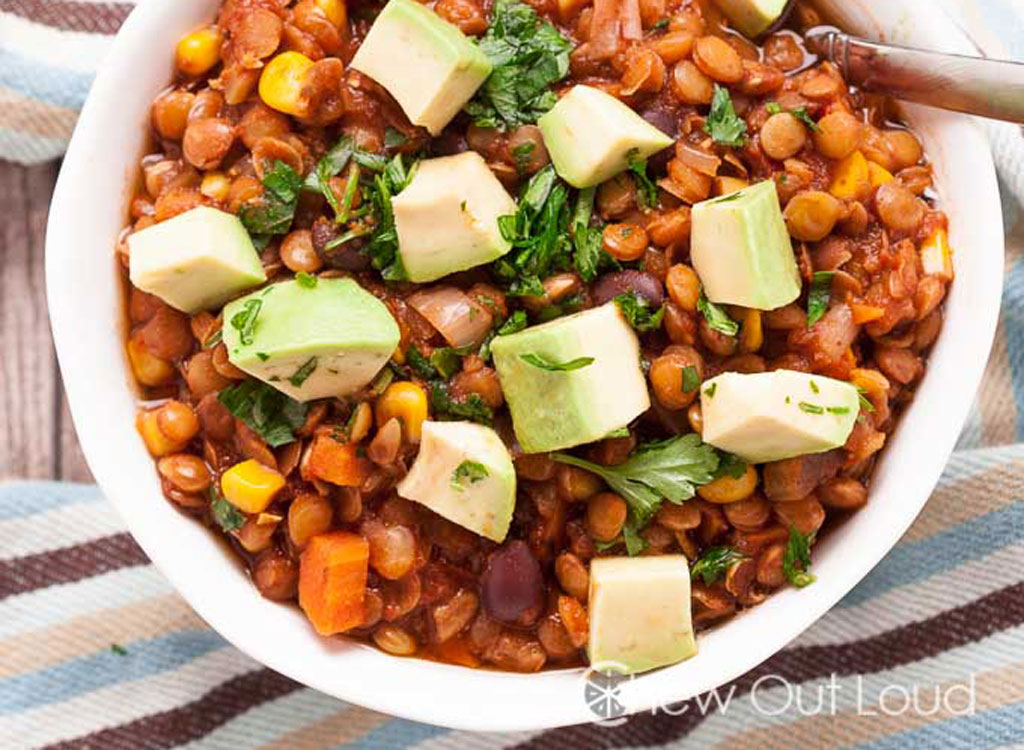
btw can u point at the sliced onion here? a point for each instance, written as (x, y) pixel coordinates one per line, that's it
(700, 161)
(629, 20)
(605, 29)
(459, 319)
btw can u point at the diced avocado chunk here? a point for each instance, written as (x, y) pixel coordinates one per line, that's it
(740, 249)
(752, 17)
(429, 66)
(557, 397)
(639, 613)
(769, 416)
(196, 261)
(310, 340)
(591, 136)
(464, 472)
(447, 217)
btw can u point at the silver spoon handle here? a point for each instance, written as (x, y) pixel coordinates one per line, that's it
(975, 85)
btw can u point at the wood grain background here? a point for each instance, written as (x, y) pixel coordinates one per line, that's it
(37, 440)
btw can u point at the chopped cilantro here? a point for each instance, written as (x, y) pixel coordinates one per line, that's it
(303, 373)
(589, 256)
(394, 138)
(648, 192)
(420, 364)
(818, 297)
(637, 311)
(306, 280)
(723, 124)
(837, 409)
(865, 404)
(811, 408)
(383, 246)
(814, 387)
(710, 390)
(226, 515)
(800, 113)
(528, 55)
(265, 409)
(796, 560)
(275, 211)
(515, 323)
(468, 472)
(716, 317)
(691, 380)
(244, 321)
(521, 156)
(712, 566)
(730, 465)
(472, 408)
(661, 23)
(539, 360)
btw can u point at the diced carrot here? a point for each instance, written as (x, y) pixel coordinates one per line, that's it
(457, 651)
(865, 313)
(852, 177)
(336, 462)
(332, 581)
(879, 175)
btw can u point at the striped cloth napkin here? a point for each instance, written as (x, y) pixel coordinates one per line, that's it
(97, 652)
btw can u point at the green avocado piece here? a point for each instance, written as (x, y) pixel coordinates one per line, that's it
(310, 340)
(560, 408)
(770, 416)
(639, 613)
(591, 136)
(196, 261)
(447, 217)
(429, 66)
(752, 17)
(464, 472)
(740, 249)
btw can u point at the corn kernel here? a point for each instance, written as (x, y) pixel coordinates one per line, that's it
(148, 370)
(727, 185)
(878, 174)
(936, 256)
(199, 51)
(334, 10)
(852, 177)
(408, 402)
(157, 443)
(751, 333)
(216, 185)
(250, 486)
(727, 489)
(281, 82)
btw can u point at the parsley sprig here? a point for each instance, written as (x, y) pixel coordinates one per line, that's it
(716, 317)
(723, 124)
(796, 559)
(714, 563)
(274, 212)
(272, 414)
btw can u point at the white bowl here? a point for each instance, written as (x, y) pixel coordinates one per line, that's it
(88, 212)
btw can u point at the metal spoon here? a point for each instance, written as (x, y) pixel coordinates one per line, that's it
(974, 85)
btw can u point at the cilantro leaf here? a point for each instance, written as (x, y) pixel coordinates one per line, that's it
(691, 380)
(637, 311)
(796, 560)
(730, 465)
(528, 55)
(468, 472)
(668, 469)
(588, 255)
(713, 564)
(542, 362)
(383, 246)
(472, 408)
(394, 138)
(818, 296)
(648, 192)
(716, 317)
(266, 410)
(302, 374)
(244, 321)
(515, 323)
(226, 515)
(306, 280)
(274, 212)
(723, 124)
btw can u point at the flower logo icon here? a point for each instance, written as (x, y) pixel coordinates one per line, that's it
(602, 686)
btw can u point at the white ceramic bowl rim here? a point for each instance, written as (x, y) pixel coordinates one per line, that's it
(87, 214)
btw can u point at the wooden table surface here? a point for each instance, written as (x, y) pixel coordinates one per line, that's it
(38, 440)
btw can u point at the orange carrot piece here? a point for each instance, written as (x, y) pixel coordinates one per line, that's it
(337, 463)
(865, 313)
(332, 581)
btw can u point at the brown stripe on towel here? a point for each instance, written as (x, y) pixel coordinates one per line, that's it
(67, 15)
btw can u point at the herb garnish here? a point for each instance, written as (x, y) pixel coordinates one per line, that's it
(306, 280)
(383, 246)
(716, 317)
(394, 138)
(648, 191)
(723, 124)
(837, 409)
(710, 390)
(730, 465)
(637, 311)
(274, 212)
(468, 472)
(811, 408)
(818, 296)
(226, 515)
(814, 386)
(528, 55)
(589, 255)
(667, 469)
(244, 321)
(691, 380)
(865, 404)
(713, 564)
(515, 323)
(473, 408)
(539, 360)
(265, 409)
(796, 560)
(521, 156)
(800, 113)
(303, 373)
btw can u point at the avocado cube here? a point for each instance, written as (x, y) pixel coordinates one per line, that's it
(429, 66)
(752, 17)
(447, 217)
(560, 408)
(740, 249)
(196, 261)
(769, 416)
(464, 473)
(639, 613)
(309, 340)
(592, 136)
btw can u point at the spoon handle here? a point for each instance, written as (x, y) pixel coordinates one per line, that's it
(975, 85)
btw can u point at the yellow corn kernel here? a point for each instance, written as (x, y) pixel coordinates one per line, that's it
(199, 51)
(148, 370)
(852, 178)
(408, 402)
(216, 185)
(334, 10)
(727, 489)
(879, 175)
(250, 486)
(157, 443)
(751, 333)
(398, 356)
(936, 256)
(281, 82)
(727, 185)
